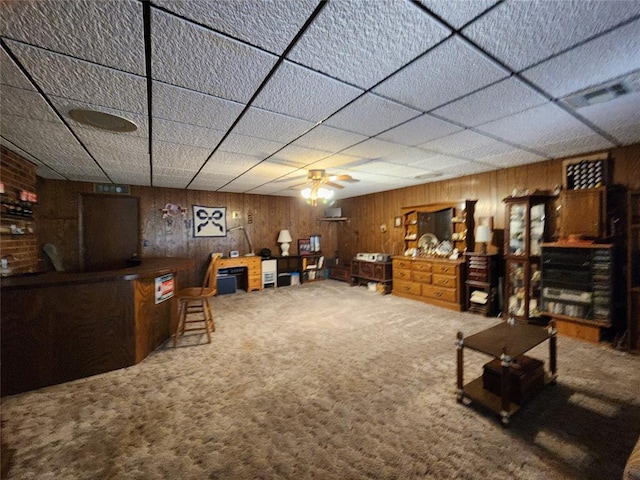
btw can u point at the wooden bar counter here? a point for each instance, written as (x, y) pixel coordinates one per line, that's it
(60, 326)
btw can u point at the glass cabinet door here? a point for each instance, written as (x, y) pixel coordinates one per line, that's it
(516, 288)
(517, 229)
(536, 229)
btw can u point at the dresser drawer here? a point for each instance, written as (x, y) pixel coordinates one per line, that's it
(422, 277)
(440, 293)
(444, 280)
(444, 269)
(477, 274)
(421, 267)
(398, 263)
(401, 286)
(401, 274)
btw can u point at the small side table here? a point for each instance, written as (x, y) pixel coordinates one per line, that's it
(504, 341)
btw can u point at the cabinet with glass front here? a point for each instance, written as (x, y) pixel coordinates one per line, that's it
(527, 226)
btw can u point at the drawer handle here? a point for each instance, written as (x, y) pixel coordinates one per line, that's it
(446, 269)
(444, 282)
(438, 294)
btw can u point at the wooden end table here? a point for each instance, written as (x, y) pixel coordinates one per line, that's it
(505, 341)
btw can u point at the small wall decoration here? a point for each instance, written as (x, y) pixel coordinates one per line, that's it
(209, 221)
(397, 222)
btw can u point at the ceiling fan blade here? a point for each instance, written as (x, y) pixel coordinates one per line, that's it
(333, 185)
(298, 186)
(343, 178)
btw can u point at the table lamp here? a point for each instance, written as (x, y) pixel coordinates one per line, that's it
(483, 236)
(284, 239)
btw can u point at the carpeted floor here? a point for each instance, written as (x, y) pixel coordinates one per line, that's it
(326, 381)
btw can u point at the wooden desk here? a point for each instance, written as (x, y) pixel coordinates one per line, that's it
(252, 264)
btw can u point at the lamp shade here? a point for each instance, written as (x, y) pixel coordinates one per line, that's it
(483, 234)
(284, 237)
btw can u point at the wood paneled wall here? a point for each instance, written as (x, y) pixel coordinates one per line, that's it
(57, 212)
(368, 212)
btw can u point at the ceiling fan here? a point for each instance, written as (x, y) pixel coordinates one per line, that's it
(319, 179)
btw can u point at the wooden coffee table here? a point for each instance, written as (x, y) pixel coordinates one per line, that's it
(505, 341)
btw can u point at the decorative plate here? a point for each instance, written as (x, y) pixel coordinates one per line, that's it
(428, 241)
(444, 248)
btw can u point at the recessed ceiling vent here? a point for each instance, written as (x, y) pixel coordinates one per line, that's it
(103, 121)
(598, 95)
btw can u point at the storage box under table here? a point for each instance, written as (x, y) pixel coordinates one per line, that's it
(527, 377)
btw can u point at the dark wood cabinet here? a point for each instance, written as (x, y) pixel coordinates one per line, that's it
(633, 270)
(363, 272)
(482, 283)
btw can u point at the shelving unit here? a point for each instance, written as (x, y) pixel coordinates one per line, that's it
(580, 289)
(452, 222)
(482, 282)
(633, 269)
(526, 228)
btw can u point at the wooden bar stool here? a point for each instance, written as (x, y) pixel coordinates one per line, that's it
(195, 300)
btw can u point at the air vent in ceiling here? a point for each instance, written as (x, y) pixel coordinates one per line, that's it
(597, 95)
(103, 121)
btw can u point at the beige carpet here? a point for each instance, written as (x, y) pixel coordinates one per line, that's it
(325, 381)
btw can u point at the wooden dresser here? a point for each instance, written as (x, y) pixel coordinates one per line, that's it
(431, 280)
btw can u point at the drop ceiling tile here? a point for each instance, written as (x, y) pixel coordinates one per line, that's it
(609, 56)
(370, 115)
(408, 156)
(466, 168)
(419, 130)
(512, 158)
(302, 93)
(268, 25)
(129, 177)
(495, 148)
(185, 134)
(25, 103)
(329, 139)
(79, 80)
(10, 73)
(335, 161)
(575, 146)
(252, 146)
(272, 126)
(620, 117)
(363, 42)
(173, 155)
(458, 142)
(458, 13)
(524, 33)
(301, 156)
(93, 31)
(50, 142)
(449, 71)
(390, 169)
(268, 170)
(210, 182)
(537, 127)
(238, 186)
(374, 148)
(186, 106)
(125, 151)
(496, 101)
(42, 170)
(438, 163)
(191, 56)
(170, 180)
(228, 163)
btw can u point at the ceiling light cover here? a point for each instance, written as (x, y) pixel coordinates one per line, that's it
(103, 121)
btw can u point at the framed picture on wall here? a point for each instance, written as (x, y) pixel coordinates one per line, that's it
(304, 246)
(209, 221)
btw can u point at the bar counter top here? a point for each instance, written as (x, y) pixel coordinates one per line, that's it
(149, 267)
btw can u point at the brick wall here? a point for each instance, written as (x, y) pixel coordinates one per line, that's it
(18, 174)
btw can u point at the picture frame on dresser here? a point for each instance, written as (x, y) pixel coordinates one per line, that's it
(304, 246)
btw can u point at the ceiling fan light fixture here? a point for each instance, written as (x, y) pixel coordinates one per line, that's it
(103, 121)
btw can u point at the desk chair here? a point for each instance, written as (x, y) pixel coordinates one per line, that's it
(195, 300)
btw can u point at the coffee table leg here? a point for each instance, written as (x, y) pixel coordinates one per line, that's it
(460, 349)
(505, 386)
(553, 331)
